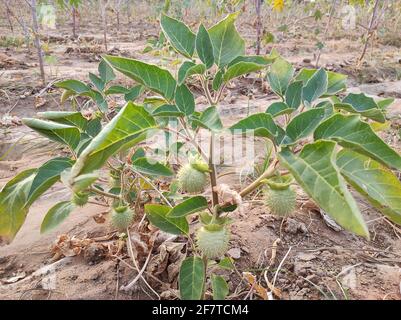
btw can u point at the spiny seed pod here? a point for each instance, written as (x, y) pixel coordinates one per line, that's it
(121, 218)
(191, 180)
(281, 202)
(213, 240)
(80, 198)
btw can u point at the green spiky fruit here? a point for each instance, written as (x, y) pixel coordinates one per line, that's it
(80, 198)
(121, 218)
(191, 180)
(281, 202)
(114, 180)
(213, 240)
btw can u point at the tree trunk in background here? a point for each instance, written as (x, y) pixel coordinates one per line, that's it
(258, 4)
(8, 13)
(104, 20)
(369, 33)
(35, 29)
(74, 22)
(326, 31)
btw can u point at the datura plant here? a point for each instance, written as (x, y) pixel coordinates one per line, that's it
(323, 140)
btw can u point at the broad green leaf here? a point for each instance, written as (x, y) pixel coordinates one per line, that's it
(279, 108)
(144, 166)
(303, 125)
(168, 110)
(75, 86)
(184, 99)
(134, 93)
(210, 119)
(98, 83)
(315, 87)
(70, 118)
(130, 126)
(188, 69)
(227, 42)
(56, 215)
(151, 76)
(106, 72)
(261, 124)
(264, 60)
(179, 35)
(139, 153)
(226, 263)
(362, 104)
(336, 81)
(350, 132)
(218, 80)
(293, 94)
(65, 134)
(204, 47)
(383, 104)
(47, 175)
(157, 215)
(116, 90)
(315, 170)
(377, 183)
(188, 206)
(192, 278)
(219, 287)
(241, 68)
(21, 191)
(280, 75)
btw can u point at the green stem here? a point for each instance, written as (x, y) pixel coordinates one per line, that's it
(103, 193)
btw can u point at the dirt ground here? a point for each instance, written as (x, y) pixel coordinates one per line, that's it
(311, 260)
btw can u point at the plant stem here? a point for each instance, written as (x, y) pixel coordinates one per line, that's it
(103, 193)
(35, 29)
(213, 176)
(369, 33)
(267, 174)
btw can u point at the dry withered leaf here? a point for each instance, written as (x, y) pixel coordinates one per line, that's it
(259, 290)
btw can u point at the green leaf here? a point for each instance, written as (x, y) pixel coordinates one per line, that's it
(144, 166)
(134, 93)
(157, 215)
(336, 81)
(219, 287)
(227, 42)
(279, 108)
(303, 125)
(362, 104)
(315, 170)
(116, 90)
(241, 68)
(226, 263)
(377, 183)
(385, 103)
(192, 278)
(70, 118)
(187, 207)
(210, 119)
(204, 47)
(293, 94)
(280, 75)
(56, 215)
(78, 87)
(106, 72)
(64, 134)
(167, 110)
(262, 125)
(98, 83)
(130, 126)
(315, 87)
(179, 35)
(350, 132)
(184, 100)
(151, 76)
(263, 60)
(47, 175)
(20, 192)
(188, 69)
(218, 80)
